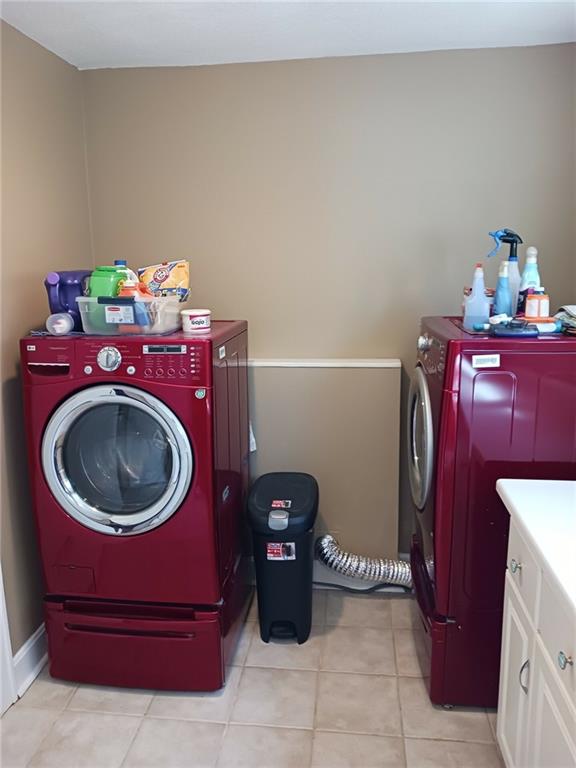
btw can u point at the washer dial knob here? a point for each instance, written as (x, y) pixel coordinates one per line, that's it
(109, 358)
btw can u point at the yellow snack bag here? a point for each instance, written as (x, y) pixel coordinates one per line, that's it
(171, 278)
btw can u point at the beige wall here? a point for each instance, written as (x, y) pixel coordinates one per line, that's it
(340, 424)
(45, 226)
(333, 202)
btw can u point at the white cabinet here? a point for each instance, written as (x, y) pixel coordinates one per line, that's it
(536, 705)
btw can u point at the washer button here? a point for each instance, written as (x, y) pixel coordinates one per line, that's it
(159, 371)
(88, 369)
(183, 371)
(170, 371)
(147, 371)
(131, 370)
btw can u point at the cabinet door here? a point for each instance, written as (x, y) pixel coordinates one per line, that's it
(517, 641)
(552, 719)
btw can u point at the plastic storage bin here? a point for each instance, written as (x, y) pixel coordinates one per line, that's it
(105, 316)
(282, 508)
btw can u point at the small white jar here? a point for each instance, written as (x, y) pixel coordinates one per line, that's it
(196, 320)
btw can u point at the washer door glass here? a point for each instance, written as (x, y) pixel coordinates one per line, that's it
(117, 459)
(420, 439)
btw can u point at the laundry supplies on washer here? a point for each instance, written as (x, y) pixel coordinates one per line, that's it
(171, 278)
(63, 288)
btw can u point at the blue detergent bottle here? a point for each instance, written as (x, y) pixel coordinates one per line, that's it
(503, 296)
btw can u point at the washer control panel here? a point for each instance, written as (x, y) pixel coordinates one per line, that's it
(171, 361)
(165, 360)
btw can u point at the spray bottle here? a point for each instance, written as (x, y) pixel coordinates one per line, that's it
(513, 239)
(477, 305)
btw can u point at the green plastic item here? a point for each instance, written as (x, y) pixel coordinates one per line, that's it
(104, 281)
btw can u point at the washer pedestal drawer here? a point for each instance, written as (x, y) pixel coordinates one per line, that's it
(134, 645)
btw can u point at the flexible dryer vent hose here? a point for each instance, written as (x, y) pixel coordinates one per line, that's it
(395, 572)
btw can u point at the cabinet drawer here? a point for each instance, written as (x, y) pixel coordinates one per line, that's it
(524, 571)
(557, 627)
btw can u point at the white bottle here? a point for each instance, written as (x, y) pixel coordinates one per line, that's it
(477, 305)
(530, 277)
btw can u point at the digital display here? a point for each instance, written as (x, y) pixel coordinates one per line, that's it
(164, 349)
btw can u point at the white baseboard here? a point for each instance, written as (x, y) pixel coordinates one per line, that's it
(29, 660)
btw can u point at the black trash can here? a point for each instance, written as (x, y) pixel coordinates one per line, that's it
(282, 508)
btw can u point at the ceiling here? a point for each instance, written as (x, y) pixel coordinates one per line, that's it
(153, 33)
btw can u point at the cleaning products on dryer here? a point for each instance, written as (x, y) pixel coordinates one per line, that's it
(530, 277)
(549, 326)
(503, 298)
(514, 285)
(512, 239)
(477, 305)
(537, 305)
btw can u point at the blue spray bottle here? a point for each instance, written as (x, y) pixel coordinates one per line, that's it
(512, 239)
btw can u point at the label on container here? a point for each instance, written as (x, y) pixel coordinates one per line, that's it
(284, 550)
(485, 361)
(281, 503)
(537, 305)
(116, 314)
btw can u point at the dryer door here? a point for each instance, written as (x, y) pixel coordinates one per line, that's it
(420, 439)
(117, 459)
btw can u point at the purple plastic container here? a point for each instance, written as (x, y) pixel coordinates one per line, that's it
(63, 288)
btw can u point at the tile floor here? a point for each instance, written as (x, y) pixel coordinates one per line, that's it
(352, 695)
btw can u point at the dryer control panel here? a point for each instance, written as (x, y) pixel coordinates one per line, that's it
(431, 353)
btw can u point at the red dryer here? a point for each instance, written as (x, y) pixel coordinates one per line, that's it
(138, 453)
(480, 408)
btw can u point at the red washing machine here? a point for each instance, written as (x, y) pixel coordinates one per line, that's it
(480, 408)
(138, 452)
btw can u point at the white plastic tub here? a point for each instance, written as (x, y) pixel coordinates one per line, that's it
(115, 317)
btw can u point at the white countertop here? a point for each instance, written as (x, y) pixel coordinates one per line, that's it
(545, 510)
